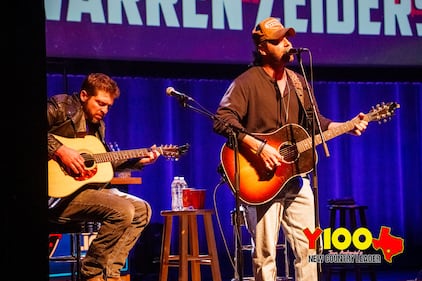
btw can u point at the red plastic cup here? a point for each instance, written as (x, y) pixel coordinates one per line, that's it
(197, 198)
(187, 198)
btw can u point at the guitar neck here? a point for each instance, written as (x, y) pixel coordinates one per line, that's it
(328, 134)
(121, 155)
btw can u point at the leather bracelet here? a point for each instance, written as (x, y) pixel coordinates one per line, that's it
(261, 147)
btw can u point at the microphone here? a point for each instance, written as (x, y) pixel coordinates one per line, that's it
(293, 51)
(170, 91)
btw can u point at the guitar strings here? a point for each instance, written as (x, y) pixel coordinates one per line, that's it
(288, 152)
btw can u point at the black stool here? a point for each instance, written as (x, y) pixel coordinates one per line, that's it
(75, 230)
(357, 218)
(281, 246)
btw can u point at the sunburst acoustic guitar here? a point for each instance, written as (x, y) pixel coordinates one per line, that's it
(259, 185)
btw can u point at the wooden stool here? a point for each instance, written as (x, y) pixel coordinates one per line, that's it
(354, 211)
(188, 245)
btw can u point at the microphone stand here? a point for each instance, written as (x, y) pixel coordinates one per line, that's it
(233, 133)
(315, 124)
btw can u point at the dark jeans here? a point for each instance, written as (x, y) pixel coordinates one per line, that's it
(122, 216)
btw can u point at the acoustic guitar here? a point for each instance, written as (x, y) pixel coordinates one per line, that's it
(259, 185)
(98, 168)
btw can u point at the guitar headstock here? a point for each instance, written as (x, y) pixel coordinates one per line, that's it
(383, 111)
(173, 152)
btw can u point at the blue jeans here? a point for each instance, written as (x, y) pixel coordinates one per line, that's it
(122, 216)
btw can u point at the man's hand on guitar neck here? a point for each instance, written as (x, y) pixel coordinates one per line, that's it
(360, 125)
(152, 156)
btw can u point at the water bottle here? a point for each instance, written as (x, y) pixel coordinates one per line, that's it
(183, 182)
(176, 194)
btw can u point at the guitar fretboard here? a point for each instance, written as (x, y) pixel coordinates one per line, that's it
(306, 144)
(120, 155)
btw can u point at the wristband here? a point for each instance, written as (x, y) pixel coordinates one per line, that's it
(261, 147)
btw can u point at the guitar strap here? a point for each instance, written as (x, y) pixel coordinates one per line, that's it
(299, 92)
(297, 85)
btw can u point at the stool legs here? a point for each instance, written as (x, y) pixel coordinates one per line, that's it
(74, 258)
(183, 248)
(165, 250)
(212, 248)
(76, 239)
(188, 246)
(194, 245)
(352, 211)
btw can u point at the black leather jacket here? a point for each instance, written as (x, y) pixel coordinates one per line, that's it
(66, 118)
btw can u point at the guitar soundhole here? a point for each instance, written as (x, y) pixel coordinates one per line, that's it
(89, 160)
(288, 152)
(90, 168)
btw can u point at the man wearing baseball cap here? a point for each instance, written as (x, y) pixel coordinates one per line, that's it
(268, 102)
(271, 29)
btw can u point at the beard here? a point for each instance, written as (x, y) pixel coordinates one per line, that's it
(286, 58)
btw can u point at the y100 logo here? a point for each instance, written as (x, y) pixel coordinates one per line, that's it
(361, 239)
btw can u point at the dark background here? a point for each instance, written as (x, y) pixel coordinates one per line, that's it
(24, 207)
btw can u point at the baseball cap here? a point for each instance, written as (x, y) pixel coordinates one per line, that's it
(271, 29)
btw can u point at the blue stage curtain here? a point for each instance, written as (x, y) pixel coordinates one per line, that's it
(381, 169)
